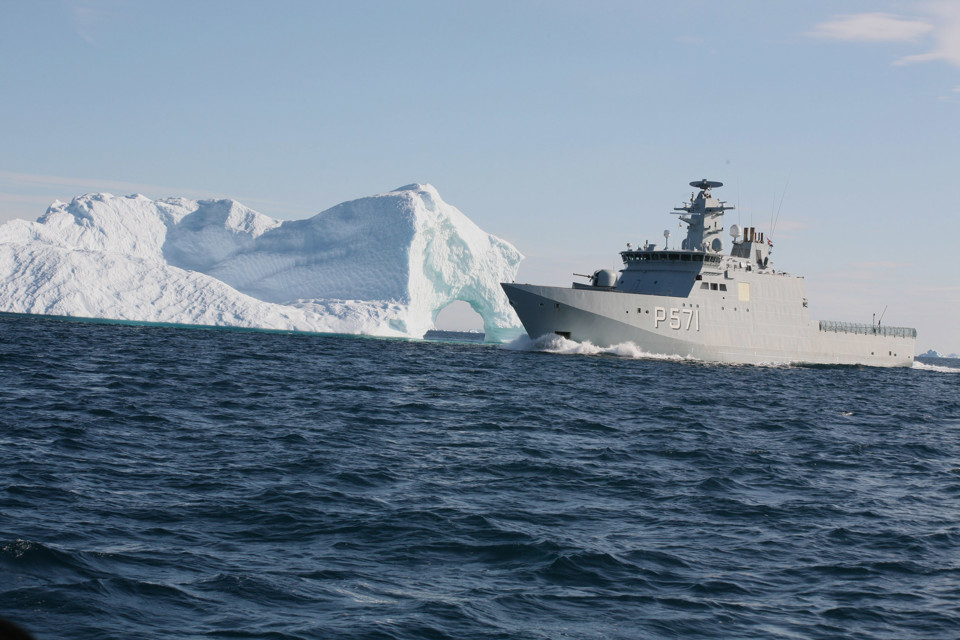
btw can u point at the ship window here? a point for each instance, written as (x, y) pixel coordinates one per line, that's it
(713, 286)
(685, 257)
(704, 285)
(674, 256)
(723, 287)
(698, 258)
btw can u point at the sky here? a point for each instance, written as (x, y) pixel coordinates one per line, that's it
(567, 128)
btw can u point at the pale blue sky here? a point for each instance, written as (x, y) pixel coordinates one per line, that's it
(568, 128)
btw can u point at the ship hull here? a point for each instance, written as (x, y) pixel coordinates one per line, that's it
(701, 327)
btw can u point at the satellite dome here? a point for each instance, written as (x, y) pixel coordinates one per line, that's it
(735, 231)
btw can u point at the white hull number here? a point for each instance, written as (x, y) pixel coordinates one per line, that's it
(686, 319)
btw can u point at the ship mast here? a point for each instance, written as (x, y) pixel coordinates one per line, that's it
(704, 218)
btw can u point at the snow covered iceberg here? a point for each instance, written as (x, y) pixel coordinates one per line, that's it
(383, 265)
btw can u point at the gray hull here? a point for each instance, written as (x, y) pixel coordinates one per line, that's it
(764, 328)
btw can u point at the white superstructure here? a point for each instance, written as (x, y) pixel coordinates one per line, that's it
(701, 303)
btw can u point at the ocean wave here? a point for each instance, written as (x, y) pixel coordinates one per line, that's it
(342, 487)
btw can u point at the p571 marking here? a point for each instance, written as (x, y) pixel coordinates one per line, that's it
(678, 318)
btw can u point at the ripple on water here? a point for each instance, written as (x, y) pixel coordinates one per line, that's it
(283, 486)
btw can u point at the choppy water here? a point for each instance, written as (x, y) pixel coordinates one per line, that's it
(175, 483)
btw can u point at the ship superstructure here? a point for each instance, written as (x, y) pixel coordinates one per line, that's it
(699, 302)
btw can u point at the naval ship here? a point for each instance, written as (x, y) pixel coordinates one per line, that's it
(700, 303)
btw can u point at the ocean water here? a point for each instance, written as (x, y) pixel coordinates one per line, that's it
(173, 483)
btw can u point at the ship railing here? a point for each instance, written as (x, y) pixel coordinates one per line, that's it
(867, 329)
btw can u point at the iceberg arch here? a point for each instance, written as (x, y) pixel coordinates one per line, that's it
(382, 265)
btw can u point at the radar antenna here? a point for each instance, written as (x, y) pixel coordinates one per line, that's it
(705, 184)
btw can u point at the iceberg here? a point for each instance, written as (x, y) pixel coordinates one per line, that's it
(933, 353)
(383, 265)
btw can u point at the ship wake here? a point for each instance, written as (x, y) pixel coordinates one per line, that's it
(934, 367)
(563, 346)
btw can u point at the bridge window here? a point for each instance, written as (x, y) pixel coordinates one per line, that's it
(723, 287)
